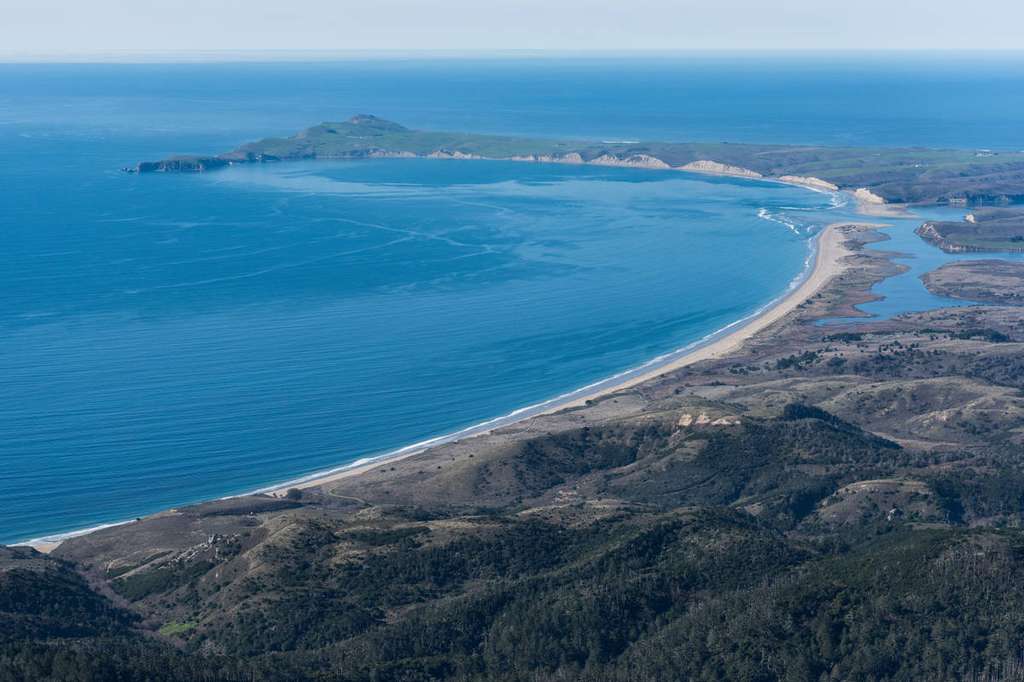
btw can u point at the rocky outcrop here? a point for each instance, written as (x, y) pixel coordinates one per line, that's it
(810, 181)
(184, 164)
(702, 419)
(716, 168)
(931, 234)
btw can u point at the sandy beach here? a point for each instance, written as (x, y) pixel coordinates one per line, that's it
(828, 262)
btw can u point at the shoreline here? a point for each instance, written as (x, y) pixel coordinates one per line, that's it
(824, 263)
(828, 253)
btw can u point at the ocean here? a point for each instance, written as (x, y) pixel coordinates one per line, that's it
(169, 339)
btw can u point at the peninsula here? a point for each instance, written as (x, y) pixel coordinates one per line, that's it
(875, 176)
(982, 230)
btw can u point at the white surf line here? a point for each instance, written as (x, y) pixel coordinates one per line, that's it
(57, 538)
(765, 214)
(588, 391)
(563, 400)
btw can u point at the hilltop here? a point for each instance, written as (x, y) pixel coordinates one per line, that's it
(878, 175)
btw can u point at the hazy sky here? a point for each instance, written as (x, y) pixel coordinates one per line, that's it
(48, 26)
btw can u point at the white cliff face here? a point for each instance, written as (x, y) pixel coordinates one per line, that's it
(705, 166)
(634, 161)
(570, 158)
(810, 181)
(653, 162)
(867, 196)
(444, 154)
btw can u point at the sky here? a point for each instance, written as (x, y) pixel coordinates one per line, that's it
(48, 27)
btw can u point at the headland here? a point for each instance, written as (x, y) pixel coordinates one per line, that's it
(876, 177)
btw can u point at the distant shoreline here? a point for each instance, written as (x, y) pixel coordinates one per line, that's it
(876, 177)
(824, 262)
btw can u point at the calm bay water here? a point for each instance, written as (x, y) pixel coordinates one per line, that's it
(173, 338)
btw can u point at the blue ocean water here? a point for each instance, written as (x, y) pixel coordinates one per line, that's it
(167, 339)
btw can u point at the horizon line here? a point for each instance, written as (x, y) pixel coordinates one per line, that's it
(131, 56)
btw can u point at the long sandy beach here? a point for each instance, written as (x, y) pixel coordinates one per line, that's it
(828, 262)
(830, 253)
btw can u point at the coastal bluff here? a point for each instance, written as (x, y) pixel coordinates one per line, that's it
(894, 176)
(983, 230)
